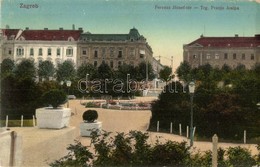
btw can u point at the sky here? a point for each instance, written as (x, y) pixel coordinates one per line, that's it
(166, 24)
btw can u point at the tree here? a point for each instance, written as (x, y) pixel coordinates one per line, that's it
(127, 69)
(7, 67)
(85, 69)
(25, 69)
(141, 71)
(104, 71)
(184, 71)
(66, 71)
(46, 69)
(165, 73)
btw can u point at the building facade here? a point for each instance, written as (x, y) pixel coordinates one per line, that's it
(39, 45)
(217, 51)
(114, 49)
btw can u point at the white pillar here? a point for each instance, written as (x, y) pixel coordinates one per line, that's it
(180, 129)
(194, 129)
(215, 151)
(21, 120)
(6, 122)
(33, 121)
(171, 128)
(158, 125)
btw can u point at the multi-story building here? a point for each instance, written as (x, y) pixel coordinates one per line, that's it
(218, 51)
(114, 49)
(39, 45)
(76, 46)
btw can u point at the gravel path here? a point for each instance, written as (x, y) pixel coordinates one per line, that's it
(124, 121)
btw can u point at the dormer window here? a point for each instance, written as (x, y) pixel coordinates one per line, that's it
(71, 39)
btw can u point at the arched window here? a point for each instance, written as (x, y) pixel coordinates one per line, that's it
(69, 51)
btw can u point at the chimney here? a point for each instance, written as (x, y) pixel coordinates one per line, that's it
(27, 28)
(45, 28)
(257, 36)
(61, 28)
(236, 35)
(80, 29)
(73, 26)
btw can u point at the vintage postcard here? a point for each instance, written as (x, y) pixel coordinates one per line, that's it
(148, 71)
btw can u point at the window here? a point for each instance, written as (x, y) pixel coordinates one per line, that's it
(58, 51)
(234, 56)
(120, 54)
(119, 63)
(208, 56)
(49, 51)
(194, 56)
(20, 51)
(84, 52)
(243, 56)
(131, 52)
(40, 52)
(96, 54)
(141, 56)
(225, 56)
(95, 64)
(111, 64)
(69, 51)
(10, 52)
(103, 52)
(216, 56)
(252, 57)
(31, 52)
(111, 52)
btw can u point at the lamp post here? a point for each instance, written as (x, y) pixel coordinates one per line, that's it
(87, 83)
(191, 90)
(68, 83)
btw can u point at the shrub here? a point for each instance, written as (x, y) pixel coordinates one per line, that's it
(54, 98)
(90, 115)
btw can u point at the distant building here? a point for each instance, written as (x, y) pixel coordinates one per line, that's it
(218, 51)
(39, 45)
(114, 49)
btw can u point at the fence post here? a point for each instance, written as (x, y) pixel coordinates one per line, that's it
(215, 151)
(158, 126)
(12, 148)
(180, 129)
(187, 132)
(21, 120)
(244, 136)
(194, 129)
(6, 122)
(33, 121)
(171, 128)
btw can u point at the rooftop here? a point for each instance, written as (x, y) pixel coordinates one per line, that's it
(132, 35)
(51, 35)
(235, 41)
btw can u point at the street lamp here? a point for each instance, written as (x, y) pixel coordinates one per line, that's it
(68, 83)
(87, 83)
(191, 90)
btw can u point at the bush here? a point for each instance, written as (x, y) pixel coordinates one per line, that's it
(133, 149)
(90, 115)
(54, 98)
